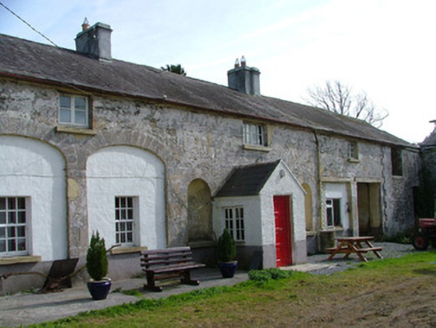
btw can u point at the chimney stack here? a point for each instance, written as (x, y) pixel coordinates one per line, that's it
(94, 41)
(243, 78)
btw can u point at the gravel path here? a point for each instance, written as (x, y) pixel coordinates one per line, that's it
(318, 264)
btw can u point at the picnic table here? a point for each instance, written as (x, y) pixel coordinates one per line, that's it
(354, 245)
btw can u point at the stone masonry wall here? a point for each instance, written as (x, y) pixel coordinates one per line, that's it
(191, 145)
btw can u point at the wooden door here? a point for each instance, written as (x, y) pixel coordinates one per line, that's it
(282, 216)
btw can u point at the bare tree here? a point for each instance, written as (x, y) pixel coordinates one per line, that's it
(339, 98)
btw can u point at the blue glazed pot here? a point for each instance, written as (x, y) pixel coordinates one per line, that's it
(228, 269)
(99, 289)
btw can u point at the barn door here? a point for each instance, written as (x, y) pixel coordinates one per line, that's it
(282, 210)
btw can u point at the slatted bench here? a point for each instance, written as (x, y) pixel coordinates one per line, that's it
(160, 264)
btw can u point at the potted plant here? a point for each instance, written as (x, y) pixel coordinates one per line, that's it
(226, 254)
(97, 267)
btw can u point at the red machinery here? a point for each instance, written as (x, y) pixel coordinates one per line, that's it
(426, 234)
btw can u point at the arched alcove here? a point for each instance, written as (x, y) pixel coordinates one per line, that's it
(199, 212)
(126, 197)
(33, 184)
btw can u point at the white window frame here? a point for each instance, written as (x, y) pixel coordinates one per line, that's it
(14, 221)
(234, 221)
(333, 212)
(353, 150)
(255, 134)
(126, 209)
(73, 111)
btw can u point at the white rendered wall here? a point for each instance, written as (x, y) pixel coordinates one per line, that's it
(127, 171)
(252, 217)
(35, 170)
(282, 183)
(259, 218)
(339, 190)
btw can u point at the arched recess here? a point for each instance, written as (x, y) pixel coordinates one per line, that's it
(199, 212)
(308, 207)
(33, 218)
(126, 197)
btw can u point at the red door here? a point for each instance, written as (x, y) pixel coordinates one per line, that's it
(283, 230)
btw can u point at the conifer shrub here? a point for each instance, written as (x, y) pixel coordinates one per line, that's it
(96, 258)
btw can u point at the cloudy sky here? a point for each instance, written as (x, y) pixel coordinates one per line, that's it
(386, 48)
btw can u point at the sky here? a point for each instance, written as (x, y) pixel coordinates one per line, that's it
(386, 48)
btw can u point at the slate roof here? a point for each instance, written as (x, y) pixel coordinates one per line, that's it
(57, 66)
(430, 141)
(247, 180)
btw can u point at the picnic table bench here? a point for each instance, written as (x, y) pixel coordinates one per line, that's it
(353, 245)
(160, 264)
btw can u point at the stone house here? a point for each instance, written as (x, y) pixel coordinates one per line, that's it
(427, 200)
(153, 159)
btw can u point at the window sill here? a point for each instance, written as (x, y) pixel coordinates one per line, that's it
(338, 228)
(310, 233)
(353, 160)
(19, 259)
(258, 148)
(128, 250)
(76, 130)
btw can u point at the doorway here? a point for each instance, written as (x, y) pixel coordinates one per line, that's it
(282, 215)
(368, 205)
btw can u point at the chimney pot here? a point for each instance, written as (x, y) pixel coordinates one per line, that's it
(237, 63)
(243, 61)
(85, 24)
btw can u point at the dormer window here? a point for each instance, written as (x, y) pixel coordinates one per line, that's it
(74, 110)
(255, 134)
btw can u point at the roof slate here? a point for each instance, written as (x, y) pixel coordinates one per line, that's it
(47, 64)
(247, 180)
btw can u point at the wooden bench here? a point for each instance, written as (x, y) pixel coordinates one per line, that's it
(160, 264)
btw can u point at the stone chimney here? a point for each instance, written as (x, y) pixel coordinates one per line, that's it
(243, 78)
(94, 41)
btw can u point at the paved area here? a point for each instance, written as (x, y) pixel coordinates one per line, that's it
(26, 309)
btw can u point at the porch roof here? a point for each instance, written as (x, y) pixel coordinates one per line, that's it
(247, 180)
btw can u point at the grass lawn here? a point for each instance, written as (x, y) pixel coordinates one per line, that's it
(397, 292)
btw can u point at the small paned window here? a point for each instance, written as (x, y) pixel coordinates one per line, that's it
(255, 134)
(13, 226)
(234, 222)
(353, 151)
(74, 111)
(124, 220)
(397, 162)
(333, 212)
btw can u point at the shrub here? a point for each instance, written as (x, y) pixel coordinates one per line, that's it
(226, 247)
(96, 258)
(269, 274)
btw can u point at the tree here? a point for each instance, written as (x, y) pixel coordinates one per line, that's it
(339, 98)
(178, 69)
